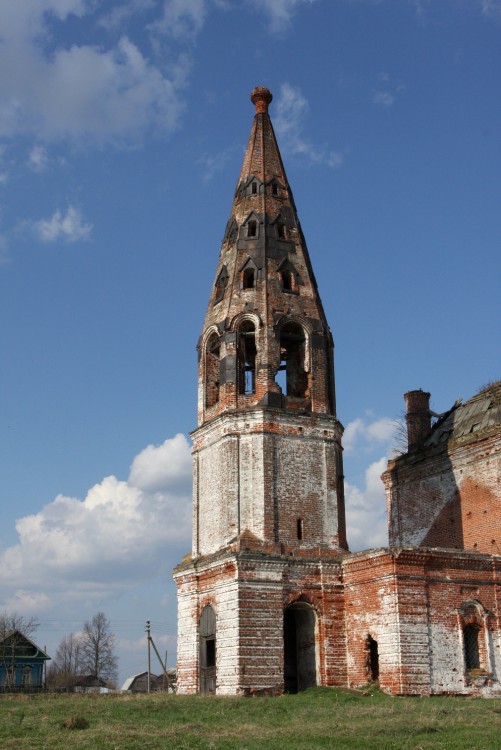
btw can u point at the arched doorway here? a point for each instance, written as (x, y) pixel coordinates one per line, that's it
(300, 664)
(208, 650)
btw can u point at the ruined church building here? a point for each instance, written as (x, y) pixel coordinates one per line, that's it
(270, 598)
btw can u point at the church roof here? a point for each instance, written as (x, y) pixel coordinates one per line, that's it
(476, 417)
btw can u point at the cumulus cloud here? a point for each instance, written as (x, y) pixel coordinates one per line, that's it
(115, 537)
(160, 465)
(366, 520)
(362, 433)
(77, 91)
(291, 110)
(279, 12)
(69, 227)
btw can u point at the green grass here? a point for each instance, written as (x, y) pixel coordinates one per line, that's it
(317, 718)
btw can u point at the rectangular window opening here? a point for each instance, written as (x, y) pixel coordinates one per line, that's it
(300, 529)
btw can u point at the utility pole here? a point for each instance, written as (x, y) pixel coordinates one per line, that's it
(148, 637)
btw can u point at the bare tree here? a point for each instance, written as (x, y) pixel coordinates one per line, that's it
(13, 629)
(11, 623)
(98, 648)
(66, 664)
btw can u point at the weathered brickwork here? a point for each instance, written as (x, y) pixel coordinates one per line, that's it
(265, 471)
(270, 599)
(445, 492)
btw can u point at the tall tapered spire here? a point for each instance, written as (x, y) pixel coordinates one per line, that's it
(265, 281)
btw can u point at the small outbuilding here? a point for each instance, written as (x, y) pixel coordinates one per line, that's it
(138, 683)
(89, 683)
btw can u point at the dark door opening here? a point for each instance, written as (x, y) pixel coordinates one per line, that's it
(300, 669)
(208, 650)
(373, 659)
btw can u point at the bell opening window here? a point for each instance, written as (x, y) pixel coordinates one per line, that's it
(248, 278)
(292, 362)
(252, 228)
(212, 355)
(471, 649)
(247, 358)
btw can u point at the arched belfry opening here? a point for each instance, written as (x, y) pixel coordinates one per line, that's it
(292, 375)
(212, 359)
(247, 358)
(300, 662)
(207, 644)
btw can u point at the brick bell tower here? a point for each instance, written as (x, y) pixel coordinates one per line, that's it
(268, 504)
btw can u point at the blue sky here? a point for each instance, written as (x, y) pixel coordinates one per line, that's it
(122, 131)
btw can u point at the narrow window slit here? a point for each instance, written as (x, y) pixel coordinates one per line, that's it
(300, 529)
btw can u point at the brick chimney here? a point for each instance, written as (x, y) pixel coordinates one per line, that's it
(417, 416)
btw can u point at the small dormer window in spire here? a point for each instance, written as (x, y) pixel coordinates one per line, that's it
(254, 188)
(274, 189)
(287, 279)
(252, 228)
(282, 230)
(221, 282)
(248, 278)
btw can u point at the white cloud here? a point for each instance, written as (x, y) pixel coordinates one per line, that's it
(181, 18)
(77, 92)
(27, 602)
(38, 158)
(279, 12)
(366, 520)
(115, 537)
(163, 465)
(69, 227)
(384, 98)
(361, 433)
(291, 110)
(118, 15)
